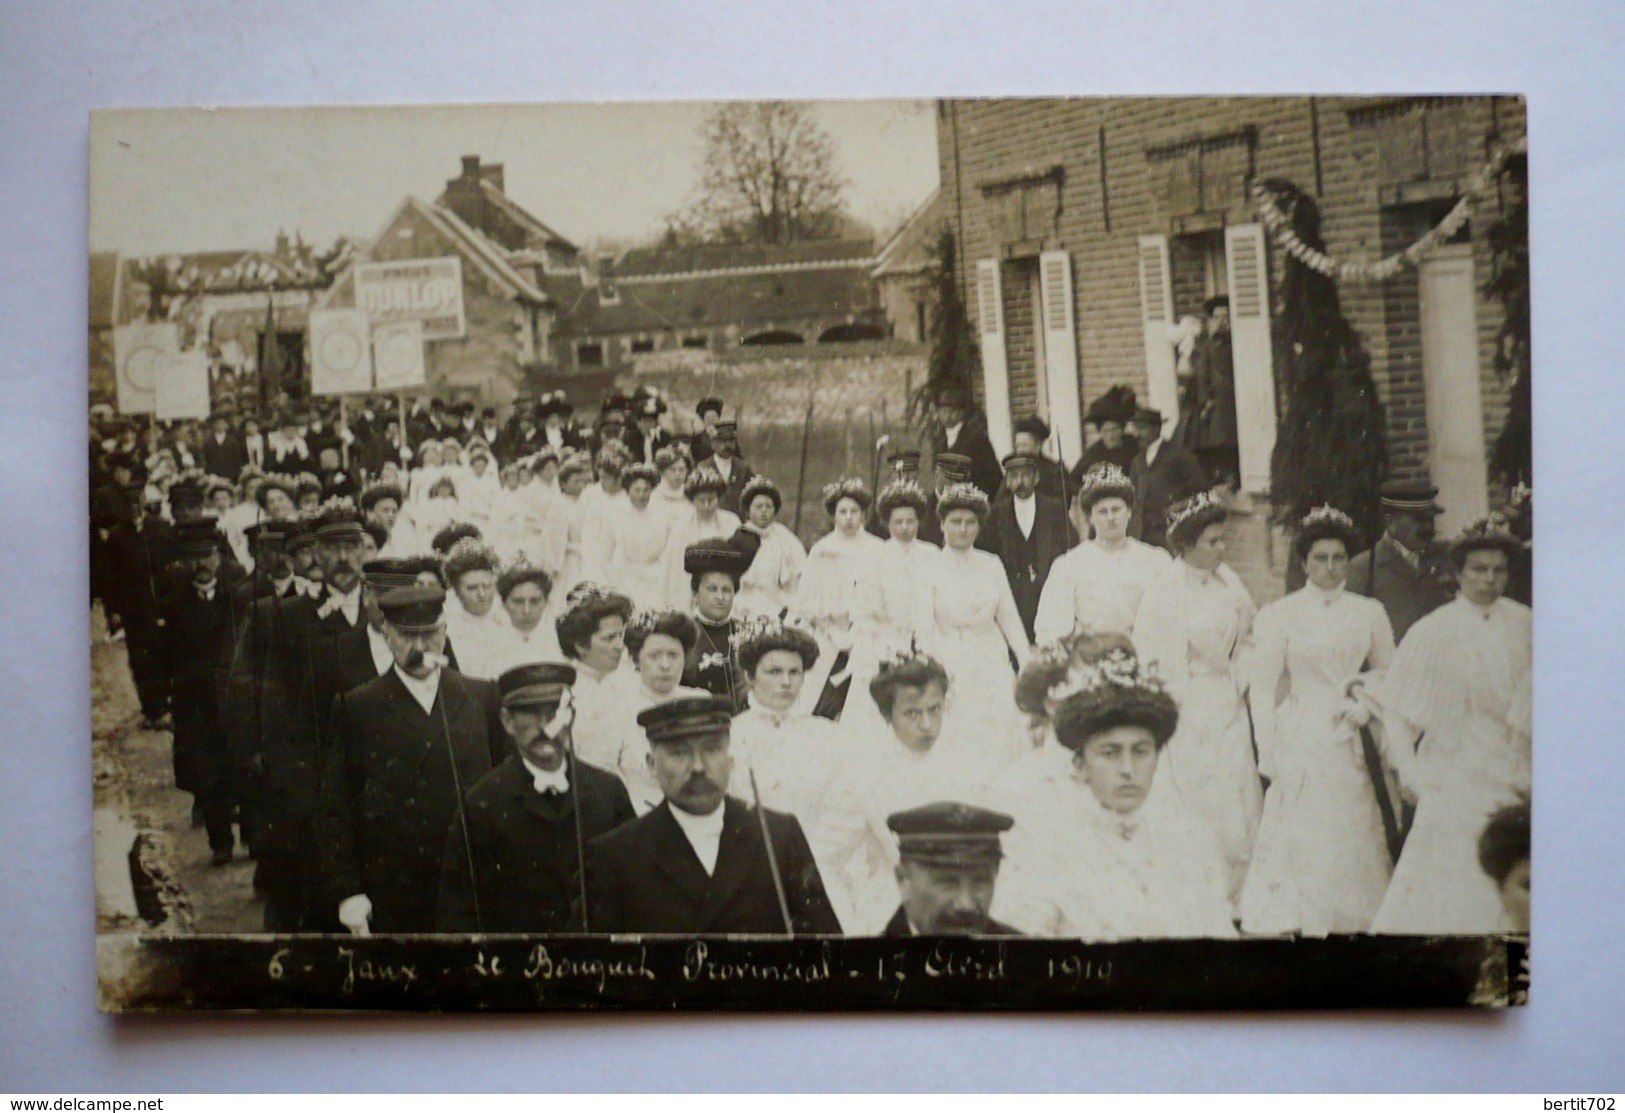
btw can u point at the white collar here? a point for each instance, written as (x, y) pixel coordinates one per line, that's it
(777, 719)
(424, 690)
(556, 781)
(382, 656)
(1326, 597)
(953, 431)
(704, 833)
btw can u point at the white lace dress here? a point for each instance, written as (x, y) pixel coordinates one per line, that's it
(1320, 863)
(1194, 625)
(1462, 679)
(828, 600)
(1097, 589)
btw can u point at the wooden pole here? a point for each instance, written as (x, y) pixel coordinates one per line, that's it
(801, 469)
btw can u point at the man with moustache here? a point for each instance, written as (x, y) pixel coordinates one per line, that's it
(698, 863)
(405, 748)
(947, 865)
(527, 818)
(294, 655)
(1028, 530)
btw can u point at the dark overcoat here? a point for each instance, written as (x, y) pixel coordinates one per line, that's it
(645, 877)
(1406, 593)
(1175, 474)
(394, 781)
(525, 857)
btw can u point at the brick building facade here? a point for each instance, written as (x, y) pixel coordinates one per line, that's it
(1090, 228)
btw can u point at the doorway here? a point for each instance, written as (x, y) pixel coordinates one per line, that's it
(1450, 376)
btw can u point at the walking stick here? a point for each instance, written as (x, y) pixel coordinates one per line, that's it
(801, 469)
(772, 859)
(581, 842)
(462, 811)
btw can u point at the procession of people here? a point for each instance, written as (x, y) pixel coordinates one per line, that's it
(440, 672)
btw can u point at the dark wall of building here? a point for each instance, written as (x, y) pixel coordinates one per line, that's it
(1122, 168)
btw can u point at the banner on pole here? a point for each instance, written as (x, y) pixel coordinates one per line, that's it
(397, 354)
(340, 355)
(182, 389)
(137, 351)
(429, 291)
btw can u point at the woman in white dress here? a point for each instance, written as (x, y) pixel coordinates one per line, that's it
(599, 503)
(472, 617)
(528, 637)
(828, 599)
(1103, 866)
(637, 542)
(428, 470)
(785, 756)
(913, 760)
(770, 583)
(669, 499)
(567, 529)
(1456, 724)
(440, 509)
(967, 619)
(1194, 623)
(480, 486)
(1320, 863)
(1097, 587)
(592, 633)
(704, 521)
(657, 644)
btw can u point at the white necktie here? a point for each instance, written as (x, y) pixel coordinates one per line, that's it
(545, 782)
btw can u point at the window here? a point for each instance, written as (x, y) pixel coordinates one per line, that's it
(643, 344)
(589, 355)
(695, 342)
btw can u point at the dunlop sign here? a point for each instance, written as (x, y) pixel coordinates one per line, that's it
(426, 290)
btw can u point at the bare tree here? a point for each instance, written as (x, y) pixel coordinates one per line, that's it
(767, 176)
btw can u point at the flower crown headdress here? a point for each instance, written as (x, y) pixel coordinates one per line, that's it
(645, 619)
(961, 493)
(900, 653)
(760, 627)
(906, 486)
(1105, 475)
(1191, 507)
(1327, 513)
(850, 485)
(1117, 668)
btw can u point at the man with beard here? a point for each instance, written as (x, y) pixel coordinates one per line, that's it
(700, 862)
(194, 650)
(521, 871)
(947, 865)
(1398, 570)
(294, 656)
(722, 443)
(1028, 530)
(405, 747)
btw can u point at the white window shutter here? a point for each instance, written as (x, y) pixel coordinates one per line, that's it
(1157, 321)
(1248, 263)
(995, 362)
(1061, 351)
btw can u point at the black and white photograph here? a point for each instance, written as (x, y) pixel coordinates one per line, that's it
(952, 554)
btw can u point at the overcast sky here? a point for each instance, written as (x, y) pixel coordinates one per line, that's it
(194, 179)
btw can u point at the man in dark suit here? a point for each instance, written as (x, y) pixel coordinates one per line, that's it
(528, 818)
(494, 435)
(947, 865)
(1163, 474)
(1032, 433)
(406, 747)
(1396, 571)
(960, 428)
(647, 437)
(294, 655)
(1027, 529)
(699, 864)
(701, 443)
(224, 452)
(194, 653)
(724, 459)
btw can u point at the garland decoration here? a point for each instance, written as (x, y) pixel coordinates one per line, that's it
(1383, 269)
